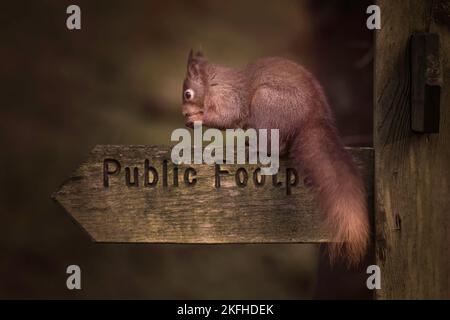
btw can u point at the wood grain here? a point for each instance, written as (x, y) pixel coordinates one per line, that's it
(412, 170)
(195, 214)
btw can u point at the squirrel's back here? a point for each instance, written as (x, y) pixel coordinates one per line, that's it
(278, 71)
(295, 95)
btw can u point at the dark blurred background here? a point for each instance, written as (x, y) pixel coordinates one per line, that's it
(118, 80)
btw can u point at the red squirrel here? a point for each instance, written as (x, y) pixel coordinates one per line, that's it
(276, 93)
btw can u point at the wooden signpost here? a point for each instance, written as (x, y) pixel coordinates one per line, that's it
(136, 194)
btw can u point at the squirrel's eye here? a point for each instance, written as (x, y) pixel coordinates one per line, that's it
(189, 94)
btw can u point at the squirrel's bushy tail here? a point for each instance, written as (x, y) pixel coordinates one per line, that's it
(338, 187)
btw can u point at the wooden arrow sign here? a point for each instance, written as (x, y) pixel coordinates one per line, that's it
(136, 194)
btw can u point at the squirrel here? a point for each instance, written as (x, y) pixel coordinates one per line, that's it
(276, 93)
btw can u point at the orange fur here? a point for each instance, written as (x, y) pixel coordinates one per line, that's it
(276, 93)
(339, 191)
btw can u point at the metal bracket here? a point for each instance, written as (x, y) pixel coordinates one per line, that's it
(426, 82)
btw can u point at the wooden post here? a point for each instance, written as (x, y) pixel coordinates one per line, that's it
(412, 170)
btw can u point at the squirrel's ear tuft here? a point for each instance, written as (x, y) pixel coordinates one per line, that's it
(190, 56)
(194, 64)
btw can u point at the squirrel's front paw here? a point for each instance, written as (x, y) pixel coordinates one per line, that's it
(194, 117)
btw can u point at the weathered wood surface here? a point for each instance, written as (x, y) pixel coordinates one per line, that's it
(412, 170)
(191, 214)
